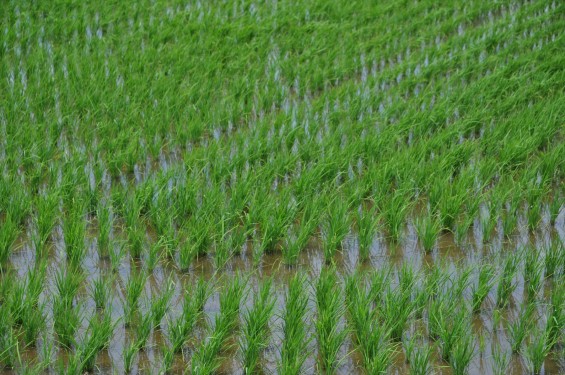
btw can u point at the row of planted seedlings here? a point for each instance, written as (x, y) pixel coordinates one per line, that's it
(260, 223)
(427, 317)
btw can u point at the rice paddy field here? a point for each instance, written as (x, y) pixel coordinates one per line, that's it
(282, 187)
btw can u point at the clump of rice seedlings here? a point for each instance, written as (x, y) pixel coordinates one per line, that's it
(394, 213)
(510, 219)
(538, 350)
(154, 253)
(488, 223)
(136, 238)
(428, 228)
(462, 228)
(519, 329)
(274, 219)
(116, 253)
(67, 315)
(553, 255)
(421, 360)
(256, 328)
(406, 277)
(484, 284)
(534, 213)
(535, 280)
(462, 353)
(33, 322)
(133, 289)
(448, 324)
(297, 239)
(45, 219)
(294, 350)
(143, 330)
(74, 230)
(506, 284)
(501, 360)
(555, 321)
(373, 338)
(98, 336)
(9, 346)
(101, 290)
(206, 359)
(180, 328)
(160, 303)
(380, 279)
(9, 232)
(328, 320)
(395, 309)
(202, 291)
(105, 224)
(554, 207)
(188, 252)
(224, 246)
(168, 360)
(335, 227)
(130, 353)
(367, 221)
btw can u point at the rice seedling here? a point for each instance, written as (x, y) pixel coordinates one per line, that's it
(99, 333)
(329, 336)
(506, 284)
(67, 314)
(520, 328)
(105, 224)
(294, 350)
(501, 360)
(180, 328)
(206, 359)
(168, 359)
(420, 360)
(256, 328)
(9, 348)
(101, 290)
(33, 317)
(116, 253)
(335, 228)
(462, 353)
(553, 254)
(367, 221)
(394, 213)
(143, 330)
(554, 207)
(462, 228)
(274, 220)
(74, 229)
(373, 338)
(488, 223)
(380, 278)
(538, 350)
(9, 232)
(428, 228)
(160, 304)
(484, 284)
(130, 353)
(133, 289)
(298, 237)
(555, 320)
(46, 206)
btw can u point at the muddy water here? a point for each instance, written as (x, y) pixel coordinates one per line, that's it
(455, 256)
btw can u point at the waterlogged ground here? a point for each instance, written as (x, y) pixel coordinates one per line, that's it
(282, 187)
